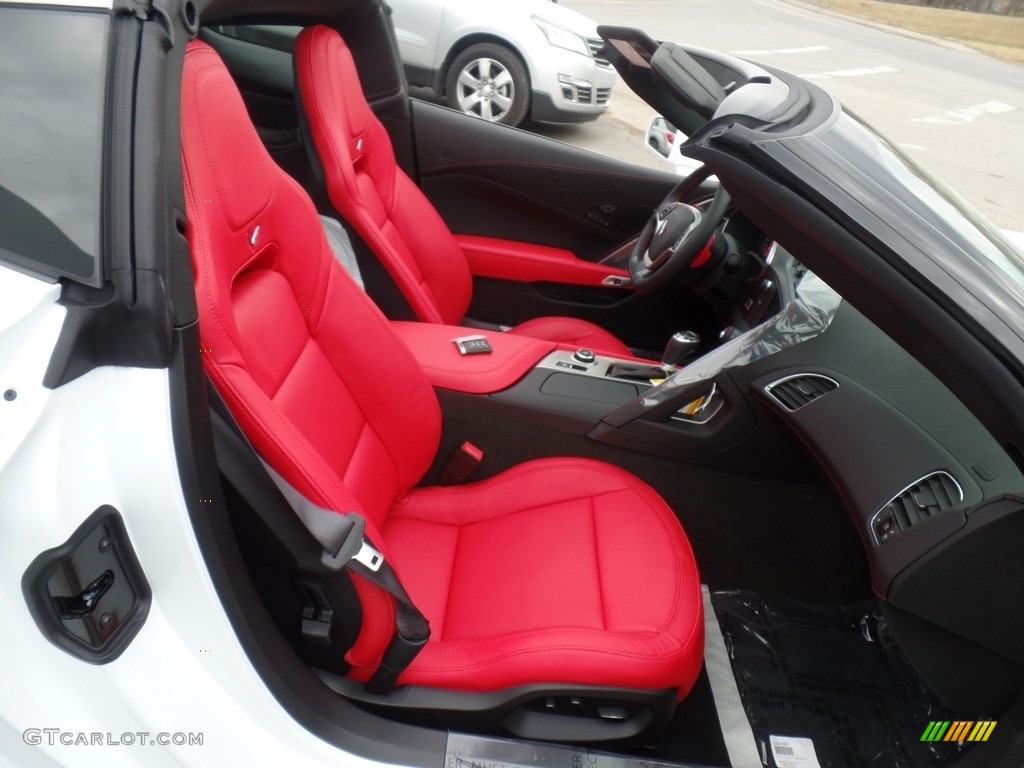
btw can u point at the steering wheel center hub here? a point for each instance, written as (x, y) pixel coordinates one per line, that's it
(676, 234)
(673, 223)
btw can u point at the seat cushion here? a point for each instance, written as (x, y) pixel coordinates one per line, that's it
(557, 570)
(573, 332)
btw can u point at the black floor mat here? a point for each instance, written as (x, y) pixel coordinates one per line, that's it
(833, 675)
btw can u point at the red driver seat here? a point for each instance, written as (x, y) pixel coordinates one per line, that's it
(387, 209)
(562, 571)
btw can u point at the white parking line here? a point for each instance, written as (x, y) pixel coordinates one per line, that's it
(805, 49)
(968, 114)
(818, 17)
(859, 72)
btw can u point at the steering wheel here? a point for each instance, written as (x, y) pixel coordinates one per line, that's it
(676, 235)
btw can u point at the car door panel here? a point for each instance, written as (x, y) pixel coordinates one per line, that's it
(529, 262)
(529, 198)
(520, 186)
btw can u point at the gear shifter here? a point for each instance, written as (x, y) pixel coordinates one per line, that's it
(680, 347)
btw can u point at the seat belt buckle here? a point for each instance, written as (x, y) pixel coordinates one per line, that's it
(461, 465)
(354, 546)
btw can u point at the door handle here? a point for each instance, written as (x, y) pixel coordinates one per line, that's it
(96, 622)
(81, 605)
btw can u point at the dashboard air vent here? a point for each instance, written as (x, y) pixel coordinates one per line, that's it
(794, 392)
(930, 495)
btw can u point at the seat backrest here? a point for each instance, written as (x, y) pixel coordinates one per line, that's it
(308, 366)
(369, 190)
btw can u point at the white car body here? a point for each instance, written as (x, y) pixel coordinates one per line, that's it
(431, 33)
(665, 139)
(138, 712)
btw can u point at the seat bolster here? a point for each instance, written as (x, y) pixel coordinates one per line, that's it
(440, 259)
(573, 332)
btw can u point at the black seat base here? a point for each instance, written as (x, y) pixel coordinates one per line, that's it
(543, 712)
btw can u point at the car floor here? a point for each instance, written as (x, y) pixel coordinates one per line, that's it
(830, 678)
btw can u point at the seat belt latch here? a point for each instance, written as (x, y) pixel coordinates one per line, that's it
(355, 546)
(368, 556)
(461, 464)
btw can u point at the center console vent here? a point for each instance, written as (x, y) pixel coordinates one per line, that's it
(930, 495)
(794, 392)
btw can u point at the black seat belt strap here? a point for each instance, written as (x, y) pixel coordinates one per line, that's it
(346, 546)
(342, 535)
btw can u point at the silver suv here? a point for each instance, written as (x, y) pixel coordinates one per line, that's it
(505, 61)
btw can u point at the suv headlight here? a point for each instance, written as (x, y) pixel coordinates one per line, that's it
(562, 37)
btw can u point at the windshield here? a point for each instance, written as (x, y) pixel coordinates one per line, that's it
(877, 193)
(930, 199)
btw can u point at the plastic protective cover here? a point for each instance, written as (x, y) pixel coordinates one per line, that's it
(833, 675)
(803, 318)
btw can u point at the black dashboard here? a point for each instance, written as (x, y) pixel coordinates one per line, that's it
(935, 498)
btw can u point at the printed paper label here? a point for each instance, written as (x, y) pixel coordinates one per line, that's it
(793, 752)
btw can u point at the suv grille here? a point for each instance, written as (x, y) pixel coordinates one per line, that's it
(794, 392)
(596, 44)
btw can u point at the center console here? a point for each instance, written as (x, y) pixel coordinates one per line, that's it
(697, 412)
(530, 372)
(627, 402)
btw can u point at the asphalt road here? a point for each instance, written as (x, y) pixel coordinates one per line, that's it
(958, 113)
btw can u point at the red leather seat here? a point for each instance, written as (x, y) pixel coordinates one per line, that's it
(386, 208)
(561, 570)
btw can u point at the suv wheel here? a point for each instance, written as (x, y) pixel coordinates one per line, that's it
(489, 81)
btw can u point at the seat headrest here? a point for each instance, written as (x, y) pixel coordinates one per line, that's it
(324, 53)
(219, 140)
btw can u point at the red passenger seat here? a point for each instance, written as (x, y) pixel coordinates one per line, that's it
(558, 571)
(387, 209)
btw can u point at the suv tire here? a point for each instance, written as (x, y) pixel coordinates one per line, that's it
(490, 81)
